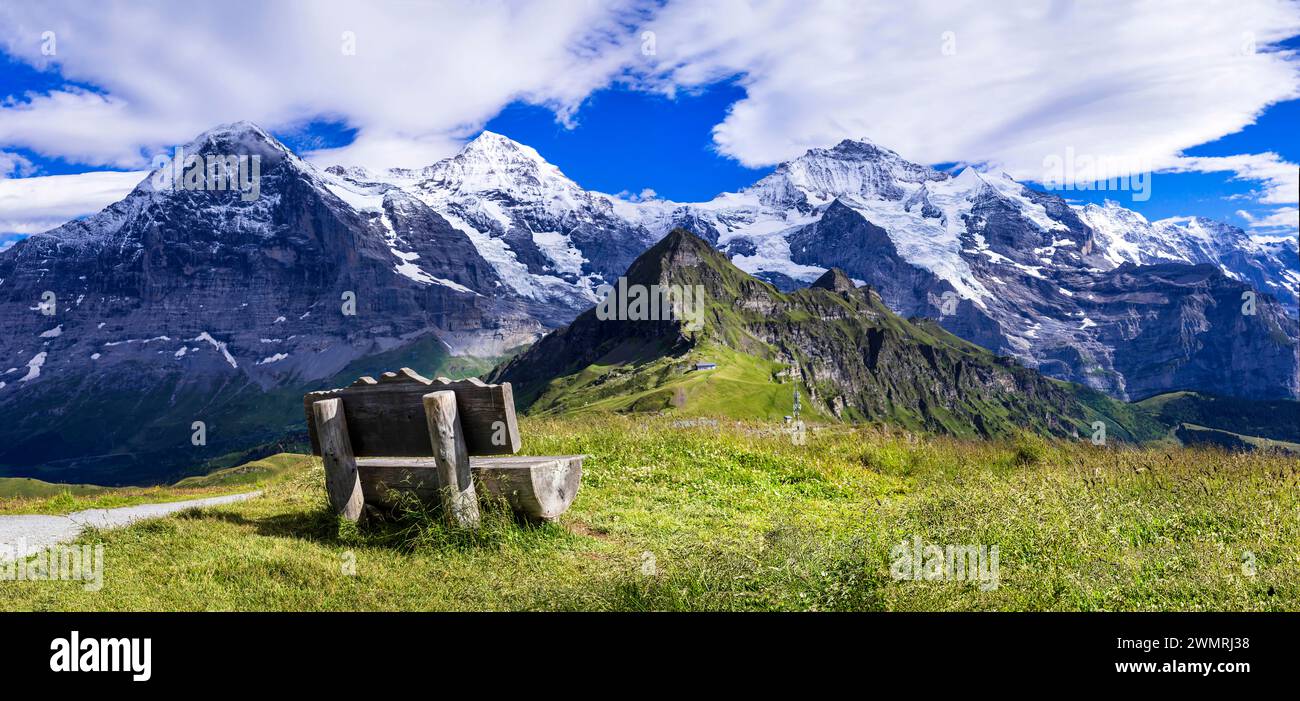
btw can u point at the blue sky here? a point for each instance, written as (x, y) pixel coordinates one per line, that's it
(675, 97)
(626, 141)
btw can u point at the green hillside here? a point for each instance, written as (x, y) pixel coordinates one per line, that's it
(1272, 420)
(21, 495)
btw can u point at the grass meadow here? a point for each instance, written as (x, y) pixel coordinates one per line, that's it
(733, 516)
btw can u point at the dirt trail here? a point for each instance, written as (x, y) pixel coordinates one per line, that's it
(26, 535)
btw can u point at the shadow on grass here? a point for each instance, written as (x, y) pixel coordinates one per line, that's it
(409, 526)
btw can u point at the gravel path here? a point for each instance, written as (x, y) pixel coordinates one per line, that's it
(26, 535)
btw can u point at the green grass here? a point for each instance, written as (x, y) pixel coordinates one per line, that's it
(1273, 420)
(1236, 438)
(733, 516)
(14, 488)
(20, 495)
(742, 387)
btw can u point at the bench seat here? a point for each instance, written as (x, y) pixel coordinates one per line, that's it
(443, 441)
(538, 487)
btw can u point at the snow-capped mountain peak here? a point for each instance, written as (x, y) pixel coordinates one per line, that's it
(1017, 265)
(495, 163)
(969, 180)
(1124, 236)
(242, 138)
(242, 131)
(857, 168)
(501, 148)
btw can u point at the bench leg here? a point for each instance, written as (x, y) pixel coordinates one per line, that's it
(342, 482)
(459, 500)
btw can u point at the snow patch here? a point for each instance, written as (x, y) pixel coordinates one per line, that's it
(407, 267)
(128, 341)
(205, 336)
(559, 248)
(34, 367)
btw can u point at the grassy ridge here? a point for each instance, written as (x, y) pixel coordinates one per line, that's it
(21, 495)
(1272, 420)
(733, 516)
(742, 387)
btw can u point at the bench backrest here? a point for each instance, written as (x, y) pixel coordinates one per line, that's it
(385, 417)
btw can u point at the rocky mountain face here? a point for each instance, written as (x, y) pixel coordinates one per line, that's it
(547, 238)
(1080, 293)
(179, 305)
(855, 358)
(1267, 264)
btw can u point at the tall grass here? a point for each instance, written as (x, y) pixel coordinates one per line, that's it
(735, 517)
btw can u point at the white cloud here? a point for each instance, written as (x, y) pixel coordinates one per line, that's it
(389, 150)
(949, 81)
(1277, 220)
(421, 72)
(645, 195)
(1281, 179)
(1280, 182)
(33, 205)
(14, 164)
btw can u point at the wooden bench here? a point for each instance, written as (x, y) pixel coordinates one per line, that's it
(406, 434)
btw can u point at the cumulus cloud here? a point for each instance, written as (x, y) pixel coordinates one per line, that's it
(645, 195)
(950, 81)
(12, 164)
(33, 205)
(413, 74)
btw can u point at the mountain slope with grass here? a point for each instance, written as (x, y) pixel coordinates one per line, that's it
(1227, 422)
(847, 353)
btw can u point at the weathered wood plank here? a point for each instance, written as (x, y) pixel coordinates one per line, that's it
(540, 487)
(539, 490)
(386, 417)
(388, 485)
(457, 496)
(342, 480)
